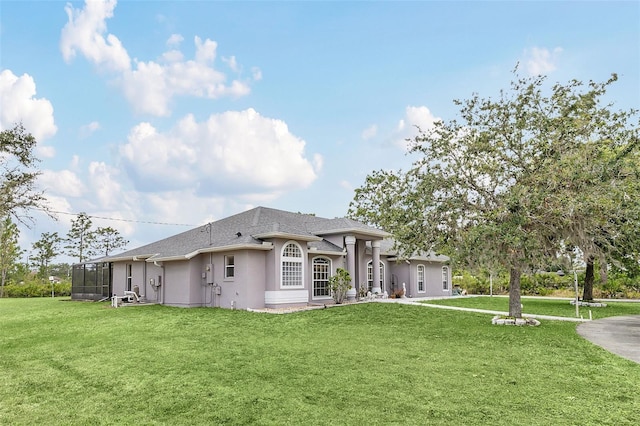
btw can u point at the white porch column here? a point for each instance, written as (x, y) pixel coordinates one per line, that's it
(375, 265)
(350, 241)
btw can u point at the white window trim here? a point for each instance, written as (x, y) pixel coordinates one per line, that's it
(445, 278)
(424, 279)
(313, 280)
(292, 259)
(129, 273)
(382, 272)
(227, 277)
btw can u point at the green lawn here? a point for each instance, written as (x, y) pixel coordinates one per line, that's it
(86, 363)
(543, 306)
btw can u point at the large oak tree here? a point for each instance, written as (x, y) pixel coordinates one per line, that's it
(501, 183)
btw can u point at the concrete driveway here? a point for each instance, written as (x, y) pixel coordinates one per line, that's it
(620, 335)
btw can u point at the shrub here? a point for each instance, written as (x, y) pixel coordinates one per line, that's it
(397, 293)
(471, 283)
(34, 289)
(339, 284)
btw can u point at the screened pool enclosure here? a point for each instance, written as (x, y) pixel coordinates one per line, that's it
(91, 281)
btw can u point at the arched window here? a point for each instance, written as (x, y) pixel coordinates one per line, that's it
(421, 286)
(291, 266)
(370, 276)
(321, 274)
(445, 278)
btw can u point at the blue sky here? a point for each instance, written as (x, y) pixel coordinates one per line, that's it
(187, 112)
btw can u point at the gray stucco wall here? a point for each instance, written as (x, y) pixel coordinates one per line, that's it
(337, 239)
(402, 272)
(151, 293)
(433, 278)
(271, 279)
(176, 283)
(408, 273)
(142, 272)
(246, 288)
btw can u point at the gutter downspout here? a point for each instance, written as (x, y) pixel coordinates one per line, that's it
(144, 281)
(213, 293)
(161, 265)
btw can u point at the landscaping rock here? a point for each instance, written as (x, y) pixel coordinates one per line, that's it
(589, 304)
(498, 320)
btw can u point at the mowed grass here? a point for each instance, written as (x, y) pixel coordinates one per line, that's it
(543, 306)
(65, 363)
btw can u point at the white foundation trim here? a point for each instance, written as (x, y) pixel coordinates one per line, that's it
(286, 296)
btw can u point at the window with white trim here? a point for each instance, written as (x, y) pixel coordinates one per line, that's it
(129, 276)
(321, 274)
(291, 258)
(421, 286)
(370, 276)
(229, 266)
(445, 278)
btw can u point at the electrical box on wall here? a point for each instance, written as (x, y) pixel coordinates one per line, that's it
(209, 272)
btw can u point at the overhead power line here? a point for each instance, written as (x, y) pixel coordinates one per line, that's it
(119, 220)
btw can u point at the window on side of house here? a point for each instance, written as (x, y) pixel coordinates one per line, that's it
(129, 276)
(421, 286)
(229, 266)
(321, 274)
(291, 266)
(370, 276)
(445, 278)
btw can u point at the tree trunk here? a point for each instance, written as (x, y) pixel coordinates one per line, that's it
(589, 278)
(4, 277)
(515, 306)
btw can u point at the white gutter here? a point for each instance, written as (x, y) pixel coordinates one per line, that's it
(264, 246)
(327, 252)
(360, 231)
(286, 236)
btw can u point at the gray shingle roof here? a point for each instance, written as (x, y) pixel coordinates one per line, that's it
(246, 230)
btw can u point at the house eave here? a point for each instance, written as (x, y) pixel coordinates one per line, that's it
(286, 236)
(133, 258)
(360, 231)
(327, 252)
(264, 246)
(419, 258)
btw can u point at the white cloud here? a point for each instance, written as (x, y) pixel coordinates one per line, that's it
(65, 183)
(346, 185)
(205, 52)
(257, 74)
(172, 56)
(175, 40)
(104, 183)
(75, 161)
(151, 86)
(407, 128)
(541, 61)
(17, 97)
(45, 151)
(88, 129)
(318, 162)
(239, 153)
(370, 132)
(84, 33)
(231, 63)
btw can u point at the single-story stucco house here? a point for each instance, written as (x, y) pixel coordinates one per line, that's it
(262, 258)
